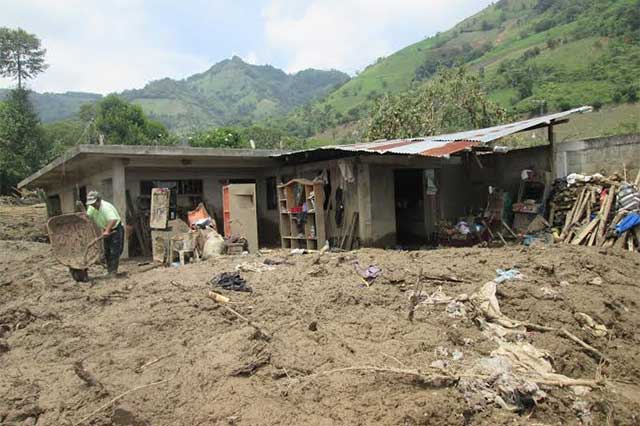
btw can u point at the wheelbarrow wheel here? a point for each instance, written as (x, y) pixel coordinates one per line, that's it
(79, 275)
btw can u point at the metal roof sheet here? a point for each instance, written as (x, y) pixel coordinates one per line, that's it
(445, 145)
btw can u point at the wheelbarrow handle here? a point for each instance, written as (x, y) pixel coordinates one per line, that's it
(92, 243)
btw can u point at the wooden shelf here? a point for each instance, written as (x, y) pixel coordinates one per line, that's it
(289, 227)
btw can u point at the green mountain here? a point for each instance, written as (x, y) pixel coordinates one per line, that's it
(230, 92)
(57, 106)
(532, 55)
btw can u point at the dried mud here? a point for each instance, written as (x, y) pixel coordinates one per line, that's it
(206, 367)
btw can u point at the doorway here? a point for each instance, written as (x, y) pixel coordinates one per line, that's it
(409, 199)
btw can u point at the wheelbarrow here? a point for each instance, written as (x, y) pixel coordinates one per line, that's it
(74, 239)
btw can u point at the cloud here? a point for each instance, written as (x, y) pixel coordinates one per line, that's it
(350, 34)
(106, 46)
(98, 46)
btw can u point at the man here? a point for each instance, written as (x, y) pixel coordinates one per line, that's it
(105, 215)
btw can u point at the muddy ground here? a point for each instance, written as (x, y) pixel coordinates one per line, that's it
(159, 352)
(23, 223)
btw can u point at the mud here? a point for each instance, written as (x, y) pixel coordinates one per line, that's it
(23, 223)
(180, 359)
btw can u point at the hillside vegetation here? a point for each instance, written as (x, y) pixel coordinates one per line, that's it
(57, 106)
(531, 56)
(231, 92)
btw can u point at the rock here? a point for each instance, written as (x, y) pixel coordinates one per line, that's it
(313, 326)
(30, 421)
(4, 346)
(596, 281)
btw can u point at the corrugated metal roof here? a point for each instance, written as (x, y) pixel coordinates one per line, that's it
(445, 145)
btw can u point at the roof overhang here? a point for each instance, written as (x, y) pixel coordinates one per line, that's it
(86, 159)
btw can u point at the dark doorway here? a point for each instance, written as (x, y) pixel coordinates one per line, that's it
(82, 195)
(409, 190)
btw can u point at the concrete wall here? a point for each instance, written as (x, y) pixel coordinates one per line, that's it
(350, 192)
(212, 181)
(67, 191)
(604, 155)
(372, 194)
(503, 171)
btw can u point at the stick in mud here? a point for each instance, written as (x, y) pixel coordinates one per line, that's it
(221, 300)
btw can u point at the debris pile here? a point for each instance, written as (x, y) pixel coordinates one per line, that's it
(596, 211)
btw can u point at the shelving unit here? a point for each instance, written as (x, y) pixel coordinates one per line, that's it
(302, 223)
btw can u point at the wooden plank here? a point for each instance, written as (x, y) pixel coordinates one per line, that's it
(621, 242)
(569, 218)
(508, 228)
(352, 231)
(606, 209)
(133, 214)
(502, 238)
(159, 208)
(586, 231)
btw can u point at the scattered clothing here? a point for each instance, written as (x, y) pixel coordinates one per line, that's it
(628, 198)
(370, 273)
(346, 171)
(510, 274)
(630, 221)
(230, 281)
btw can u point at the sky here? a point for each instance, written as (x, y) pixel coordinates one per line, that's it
(113, 45)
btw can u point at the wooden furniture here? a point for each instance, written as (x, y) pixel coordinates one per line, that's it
(302, 221)
(239, 212)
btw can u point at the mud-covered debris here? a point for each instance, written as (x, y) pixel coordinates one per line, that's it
(230, 281)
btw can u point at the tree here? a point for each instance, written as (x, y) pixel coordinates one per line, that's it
(22, 147)
(122, 123)
(453, 101)
(221, 137)
(21, 55)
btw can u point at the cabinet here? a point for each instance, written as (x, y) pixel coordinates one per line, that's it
(302, 221)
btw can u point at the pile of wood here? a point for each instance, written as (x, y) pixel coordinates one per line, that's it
(585, 214)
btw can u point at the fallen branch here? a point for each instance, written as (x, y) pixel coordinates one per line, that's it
(582, 343)
(119, 397)
(437, 380)
(565, 333)
(155, 361)
(221, 300)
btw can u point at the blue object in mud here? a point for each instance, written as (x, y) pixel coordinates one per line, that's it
(630, 221)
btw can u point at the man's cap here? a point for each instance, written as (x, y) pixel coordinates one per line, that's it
(92, 197)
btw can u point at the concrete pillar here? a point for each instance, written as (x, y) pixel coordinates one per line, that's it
(120, 197)
(67, 200)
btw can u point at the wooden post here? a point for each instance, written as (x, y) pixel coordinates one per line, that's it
(552, 148)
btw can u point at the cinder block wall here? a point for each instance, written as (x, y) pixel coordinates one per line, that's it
(604, 155)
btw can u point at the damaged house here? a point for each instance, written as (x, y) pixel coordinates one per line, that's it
(384, 193)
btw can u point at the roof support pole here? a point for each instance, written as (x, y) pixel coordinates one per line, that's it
(552, 150)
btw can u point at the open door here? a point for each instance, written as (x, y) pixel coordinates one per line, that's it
(410, 213)
(239, 211)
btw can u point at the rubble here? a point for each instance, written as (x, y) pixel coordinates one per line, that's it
(596, 211)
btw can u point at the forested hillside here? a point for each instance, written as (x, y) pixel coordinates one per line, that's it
(57, 106)
(531, 55)
(231, 92)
